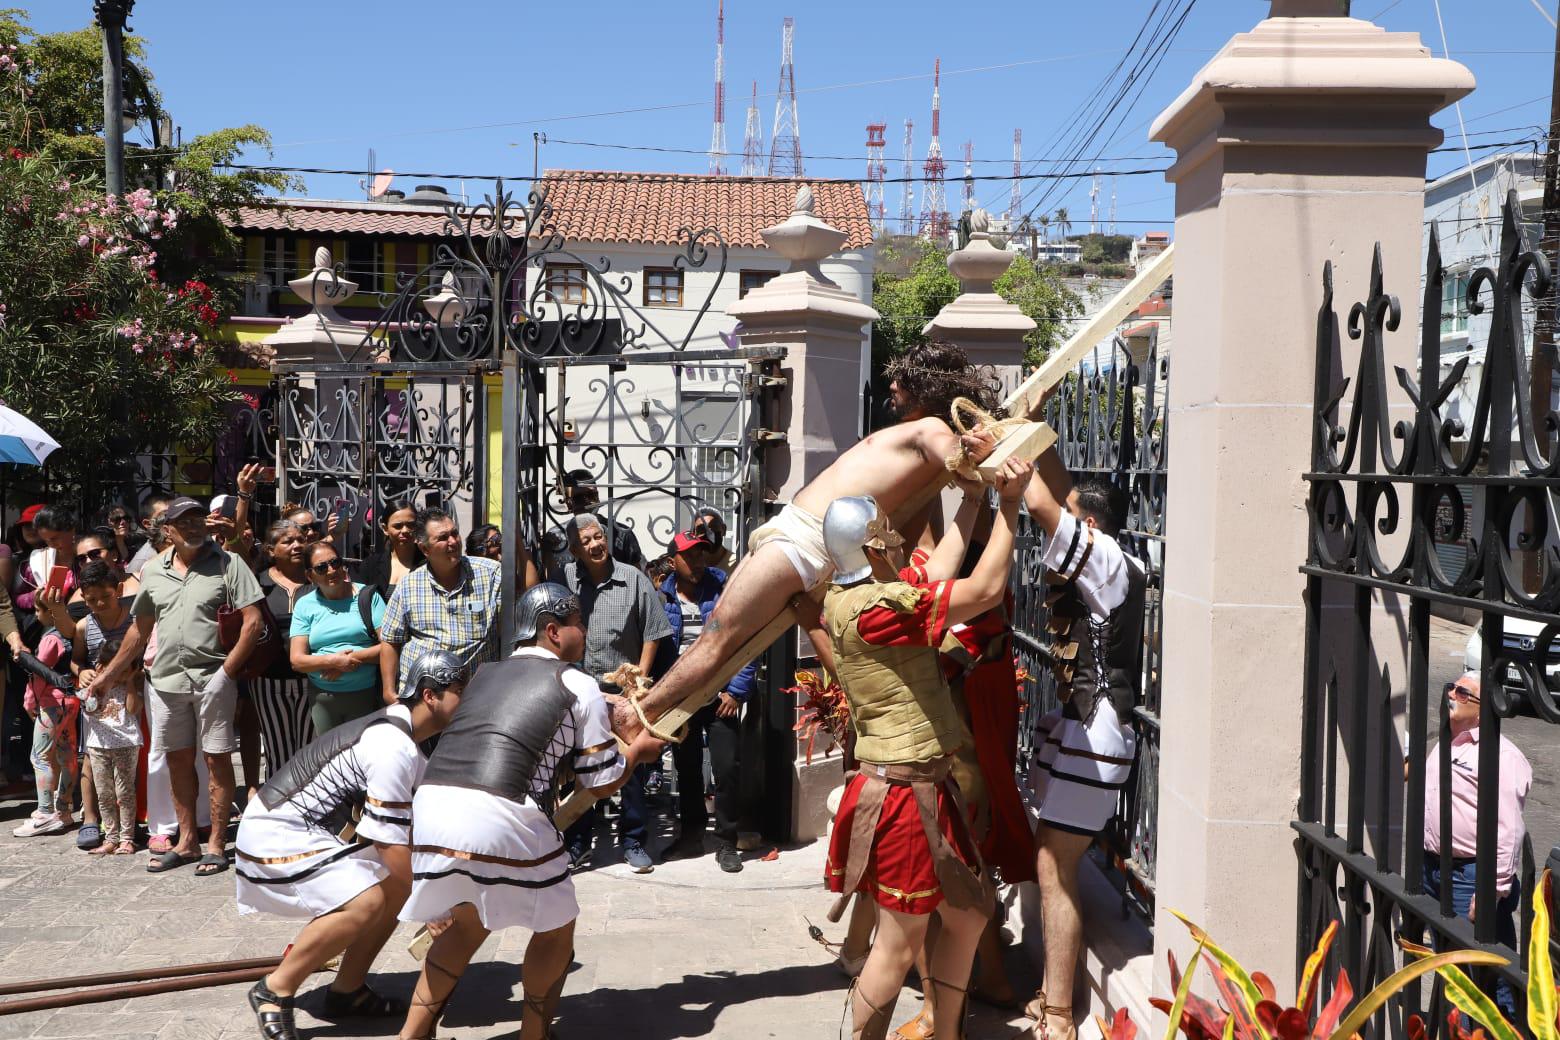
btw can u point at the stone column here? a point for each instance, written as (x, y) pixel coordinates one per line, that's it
(1302, 141)
(990, 329)
(322, 336)
(821, 326)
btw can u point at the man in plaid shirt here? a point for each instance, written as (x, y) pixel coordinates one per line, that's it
(451, 604)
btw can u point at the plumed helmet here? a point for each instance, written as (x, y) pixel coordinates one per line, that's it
(539, 602)
(849, 526)
(435, 670)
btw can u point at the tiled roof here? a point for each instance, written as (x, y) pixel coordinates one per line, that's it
(602, 206)
(311, 216)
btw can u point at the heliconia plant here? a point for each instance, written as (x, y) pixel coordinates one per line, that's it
(1543, 998)
(1249, 1008)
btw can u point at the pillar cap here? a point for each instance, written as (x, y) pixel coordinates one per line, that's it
(802, 238)
(980, 262)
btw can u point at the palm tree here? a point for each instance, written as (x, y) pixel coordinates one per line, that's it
(1045, 227)
(1063, 225)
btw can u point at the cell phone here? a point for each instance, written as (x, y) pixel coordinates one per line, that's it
(225, 506)
(58, 576)
(341, 512)
(267, 475)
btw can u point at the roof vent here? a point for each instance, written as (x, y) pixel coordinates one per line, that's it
(392, 195)
(428, 195)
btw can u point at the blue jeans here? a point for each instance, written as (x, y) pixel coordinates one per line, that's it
(1462, 878)
(631, 828)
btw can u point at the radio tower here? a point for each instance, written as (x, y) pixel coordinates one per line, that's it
(876, 171)
(907, 195)
(1015, 201)
(753, 140)
(968, 204)
(1094, 203)
(785, 143)
(1113, 204)
(718, 134)
(934, 201)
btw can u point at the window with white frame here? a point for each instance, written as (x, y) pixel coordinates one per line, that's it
(1454, 303)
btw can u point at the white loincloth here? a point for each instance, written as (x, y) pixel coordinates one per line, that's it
(799, 535)
(505, 858)
(1081, 769)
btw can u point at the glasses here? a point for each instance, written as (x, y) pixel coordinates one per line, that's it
(1461, 693)
(119, 518)
(326, 566)
(90, 554)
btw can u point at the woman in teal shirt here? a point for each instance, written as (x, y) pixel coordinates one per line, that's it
(335, 639)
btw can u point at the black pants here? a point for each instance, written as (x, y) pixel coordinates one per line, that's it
(723, 736)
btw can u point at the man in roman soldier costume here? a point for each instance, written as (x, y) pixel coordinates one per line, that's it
(1087, 748)
(901, 834)
(327, 838)
(485, 853)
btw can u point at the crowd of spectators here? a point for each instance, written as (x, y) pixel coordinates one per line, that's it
(150, 648)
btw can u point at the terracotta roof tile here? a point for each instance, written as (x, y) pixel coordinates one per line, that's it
(603, 206)
(311, 217)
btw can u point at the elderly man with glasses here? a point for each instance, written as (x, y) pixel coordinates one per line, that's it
(1514, 777)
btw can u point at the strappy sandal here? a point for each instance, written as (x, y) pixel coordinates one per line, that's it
(1035, 1009)
(921, 1027)
(361, 1003)
(876, 1025)
(942, 1013)
(274, 1025)
(434, 1007)
(1043, 1030)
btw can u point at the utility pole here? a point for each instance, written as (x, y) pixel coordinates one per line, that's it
(111, 16)
(1546, 332)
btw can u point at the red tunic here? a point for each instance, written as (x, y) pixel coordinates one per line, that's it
(899, 871)
(991, 695)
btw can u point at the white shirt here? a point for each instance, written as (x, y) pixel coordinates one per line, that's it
(1092, 559)
(585, 734)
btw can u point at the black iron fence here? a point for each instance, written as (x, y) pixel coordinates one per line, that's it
(1110, 420)
(1389, 477)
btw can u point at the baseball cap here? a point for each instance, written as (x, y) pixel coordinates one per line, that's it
(31, 511)
(682, 541)
(181, 505)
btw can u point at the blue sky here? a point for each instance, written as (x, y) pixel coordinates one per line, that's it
(459, 87)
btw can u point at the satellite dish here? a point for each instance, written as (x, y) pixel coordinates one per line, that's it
(381, 183)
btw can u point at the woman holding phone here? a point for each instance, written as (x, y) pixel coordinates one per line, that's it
(335, 639)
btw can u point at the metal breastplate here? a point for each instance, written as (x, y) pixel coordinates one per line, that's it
(1092, 660)
(340, 809)
(506, 721)
(900, 706)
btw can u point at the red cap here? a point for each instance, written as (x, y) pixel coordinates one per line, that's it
(685, 540)
(30, 512)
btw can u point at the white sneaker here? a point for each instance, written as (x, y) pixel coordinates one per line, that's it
(49, 823)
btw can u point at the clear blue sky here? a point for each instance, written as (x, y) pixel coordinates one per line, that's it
(460, 86)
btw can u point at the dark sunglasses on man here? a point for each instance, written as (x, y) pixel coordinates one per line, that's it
(1460, 693)
(326, 566)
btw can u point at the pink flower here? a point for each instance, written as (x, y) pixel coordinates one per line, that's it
(83, 241)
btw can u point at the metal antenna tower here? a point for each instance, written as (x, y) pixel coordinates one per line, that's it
(907, 195)
(968, 203)
(1015, 200)
(1094, 203)
(753, 139)
(877, 169)
(934, 199)
(785, 142)
(718, 133)
(1113, 204)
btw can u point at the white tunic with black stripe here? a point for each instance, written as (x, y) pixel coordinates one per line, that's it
(1084, 764)
(291, 866)
(505, 857)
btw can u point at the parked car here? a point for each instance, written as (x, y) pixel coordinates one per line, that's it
(1520, 639)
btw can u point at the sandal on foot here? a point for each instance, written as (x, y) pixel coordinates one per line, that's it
(211, 863)
(361, 1003)
(918, 1028)
(277, 1024)
(170, 860)
(102, 849)
(1043, 1030)
(125, 848)
(157, 844)
(1035, 1009)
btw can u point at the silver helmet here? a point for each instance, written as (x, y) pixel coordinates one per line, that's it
(545, 600)
(849, 526)
(435, 670)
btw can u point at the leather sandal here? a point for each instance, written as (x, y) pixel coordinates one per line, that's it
(1043, 1030)
(943, 1013)
(1035, 1009)
(435, 1007)
(920, 1027)
(876, 1025)
(277, 1024)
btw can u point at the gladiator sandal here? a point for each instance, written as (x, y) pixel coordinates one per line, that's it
(1035, 1009)
(876, 1025)
(943, 1012)
(1043, 1029)
(274, 1025)
(434, 1007)
(545, 1006)
(918, 1028)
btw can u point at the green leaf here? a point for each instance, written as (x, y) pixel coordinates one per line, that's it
(1373, 1001)
(1467, 997)
(1242, 979)
(1180, 996)
(1541, 971)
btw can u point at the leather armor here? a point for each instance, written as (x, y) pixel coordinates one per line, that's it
(303, 768)
(1090, 660)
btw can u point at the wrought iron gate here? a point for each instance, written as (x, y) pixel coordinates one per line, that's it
(1370, 555)
(1110, 420)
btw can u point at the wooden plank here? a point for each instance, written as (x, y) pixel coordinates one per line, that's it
(1027, 442)
(1025, 399)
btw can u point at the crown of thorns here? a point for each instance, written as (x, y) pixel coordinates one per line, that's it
(977, 383)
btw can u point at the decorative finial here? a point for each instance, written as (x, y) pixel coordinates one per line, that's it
(804, 200)
(980, 222)
(321, 258)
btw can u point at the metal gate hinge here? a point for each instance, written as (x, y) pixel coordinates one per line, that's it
(757, 381)
(768, 436)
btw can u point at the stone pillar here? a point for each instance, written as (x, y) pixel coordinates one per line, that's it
(321, 336)
(990, 329)
(1302, 141)
(821, 326)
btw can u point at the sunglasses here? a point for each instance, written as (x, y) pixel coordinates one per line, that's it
(119, 519)
(1461, 693)
(326, 566)
(90, 554)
